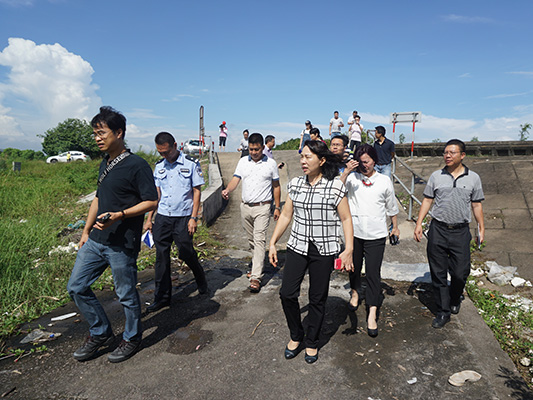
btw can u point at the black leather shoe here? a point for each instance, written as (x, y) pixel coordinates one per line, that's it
(125, 350)
(455, 309)
(158, 305)
(311, 359)
(203, 289)
(290, 354)
(440, 321)
(372, 332)
(91, 346)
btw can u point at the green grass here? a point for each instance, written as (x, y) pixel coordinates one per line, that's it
(35, 205)
(510, 323)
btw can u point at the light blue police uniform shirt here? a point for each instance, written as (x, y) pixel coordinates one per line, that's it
(176, 182)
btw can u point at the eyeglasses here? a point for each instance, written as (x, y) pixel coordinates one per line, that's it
(101, 135)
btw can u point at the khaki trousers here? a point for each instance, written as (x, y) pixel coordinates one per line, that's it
(255, 220)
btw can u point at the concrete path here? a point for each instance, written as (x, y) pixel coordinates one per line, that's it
(229, 345)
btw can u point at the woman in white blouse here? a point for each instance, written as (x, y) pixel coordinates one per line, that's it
(371, 199)
(316, 200)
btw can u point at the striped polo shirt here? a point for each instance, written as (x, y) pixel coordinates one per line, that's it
(453, 197)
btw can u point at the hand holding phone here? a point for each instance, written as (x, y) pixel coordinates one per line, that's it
(338, 264)
(104, 219)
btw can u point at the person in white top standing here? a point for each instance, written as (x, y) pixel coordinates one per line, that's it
(355, 131)
(260, 185)
(335, 125)
(371, 199)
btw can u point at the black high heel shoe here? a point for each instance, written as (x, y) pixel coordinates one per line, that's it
(372, 332)
(352, 307)
(290, 354)
(311, 359)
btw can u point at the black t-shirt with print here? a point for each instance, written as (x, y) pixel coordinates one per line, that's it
(130, 182)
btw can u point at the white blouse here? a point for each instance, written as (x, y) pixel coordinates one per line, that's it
(371, 200)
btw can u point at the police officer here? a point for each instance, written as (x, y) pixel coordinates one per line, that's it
(178, 179)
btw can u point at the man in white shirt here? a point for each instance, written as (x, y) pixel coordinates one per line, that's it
(335, 125)
(260, 182)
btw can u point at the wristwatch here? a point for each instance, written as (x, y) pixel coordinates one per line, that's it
(195, 218)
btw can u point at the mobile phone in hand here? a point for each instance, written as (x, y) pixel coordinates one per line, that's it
(104, 219)
(338, 263)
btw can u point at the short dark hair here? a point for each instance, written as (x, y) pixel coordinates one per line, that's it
(355, 111)
(246, 130)
(330, 169)
(255, 138)
(112, 118)
(381, 130)
(366, 149)
(335, 112)
(314, 131)
(457, 142)
(269, 138)
(164, 137)
(344, 139)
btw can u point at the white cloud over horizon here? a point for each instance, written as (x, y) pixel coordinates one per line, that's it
(45, 85)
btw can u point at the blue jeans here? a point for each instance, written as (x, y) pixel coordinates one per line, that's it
(385, 169)
(333, 134)
(92, 260)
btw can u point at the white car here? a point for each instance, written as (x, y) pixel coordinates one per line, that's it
(63, 157)
(193, 146)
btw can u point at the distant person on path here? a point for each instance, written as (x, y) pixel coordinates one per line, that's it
(355, 131)
(126, 191)
(243, 147)
(371, 199)
(260, 185)
(335, 125)
(178, 179)
(270, 142)
(222, 136)
(385, 150)
(69, 157)
(315, 202)
(455, 189)
(305, 135)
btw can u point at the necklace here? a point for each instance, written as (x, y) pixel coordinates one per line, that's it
(367, 182)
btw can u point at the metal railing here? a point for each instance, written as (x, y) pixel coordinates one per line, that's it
(410, 191)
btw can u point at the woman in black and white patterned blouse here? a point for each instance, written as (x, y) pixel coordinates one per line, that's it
(316, 201)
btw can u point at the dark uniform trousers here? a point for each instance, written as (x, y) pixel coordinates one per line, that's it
(167, 230)
(448, 250)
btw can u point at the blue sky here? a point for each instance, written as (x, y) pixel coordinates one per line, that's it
(265, 66)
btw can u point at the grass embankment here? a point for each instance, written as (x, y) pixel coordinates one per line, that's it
(35, 206)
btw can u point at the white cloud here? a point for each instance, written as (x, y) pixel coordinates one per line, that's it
(463, 19)
(143, 113)
(525, 73)
(465, 75)
(506, 95)
(179, 97)
(46, 84)
(17, 3)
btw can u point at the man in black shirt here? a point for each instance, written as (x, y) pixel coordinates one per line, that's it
(126, 191)
(385, 150)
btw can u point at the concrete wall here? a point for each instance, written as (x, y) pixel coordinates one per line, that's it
(212, 202)
(501, 148)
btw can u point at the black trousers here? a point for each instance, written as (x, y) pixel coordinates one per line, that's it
(167, 230)
(448, 251)
(354, 144)
(320, 268)
(372, 251)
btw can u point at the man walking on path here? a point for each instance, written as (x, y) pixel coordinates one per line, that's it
(178, 178)
(455, 189)
(385, 149)
(260, 182)
(270, 142)
(355, 131)
(335, 125)
(126, 191)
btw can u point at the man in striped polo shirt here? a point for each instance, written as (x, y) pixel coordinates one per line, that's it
(454, 190)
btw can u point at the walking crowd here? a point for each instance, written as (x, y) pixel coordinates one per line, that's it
(343, 210)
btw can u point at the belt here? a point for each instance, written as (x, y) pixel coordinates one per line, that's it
(452, 226)
(261, 203)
